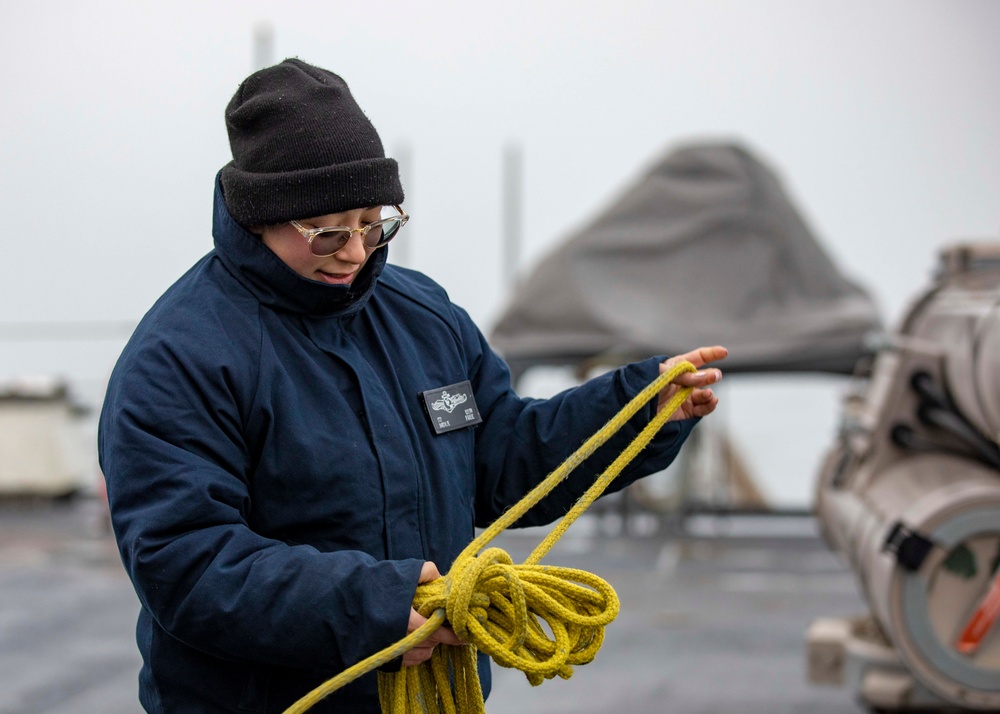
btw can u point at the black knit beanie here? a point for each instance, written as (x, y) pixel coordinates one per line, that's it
(302, 147)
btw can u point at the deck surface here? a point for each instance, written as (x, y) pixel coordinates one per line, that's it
(713, 621)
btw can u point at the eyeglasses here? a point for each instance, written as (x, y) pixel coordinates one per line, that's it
(329, 240)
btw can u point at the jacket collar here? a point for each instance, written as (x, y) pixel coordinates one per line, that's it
(278, 286)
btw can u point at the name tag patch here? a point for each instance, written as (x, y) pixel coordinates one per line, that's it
(452, 407)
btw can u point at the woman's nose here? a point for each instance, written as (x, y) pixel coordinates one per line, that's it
(354, 250)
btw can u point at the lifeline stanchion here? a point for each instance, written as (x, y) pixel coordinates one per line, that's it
(497, 605)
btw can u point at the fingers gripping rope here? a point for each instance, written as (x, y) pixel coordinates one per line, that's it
(500, 607)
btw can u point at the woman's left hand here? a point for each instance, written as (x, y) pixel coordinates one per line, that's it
(443, 635)
(701, 401)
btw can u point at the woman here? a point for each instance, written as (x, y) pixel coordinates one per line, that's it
(298, 434)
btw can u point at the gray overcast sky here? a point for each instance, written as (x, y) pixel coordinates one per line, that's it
(881, 117)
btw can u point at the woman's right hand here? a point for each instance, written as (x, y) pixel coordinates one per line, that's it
(443, 635)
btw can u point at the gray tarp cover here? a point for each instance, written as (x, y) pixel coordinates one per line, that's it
(704, 249)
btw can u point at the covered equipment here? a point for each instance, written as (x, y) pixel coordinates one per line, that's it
(911, 495)
(705, 248)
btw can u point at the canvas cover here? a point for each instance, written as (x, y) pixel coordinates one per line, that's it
(705, 248)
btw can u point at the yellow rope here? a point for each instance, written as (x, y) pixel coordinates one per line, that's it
(499, 607)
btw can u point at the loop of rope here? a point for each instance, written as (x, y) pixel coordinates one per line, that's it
(502, 608)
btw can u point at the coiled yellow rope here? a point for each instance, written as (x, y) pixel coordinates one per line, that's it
(499, 606)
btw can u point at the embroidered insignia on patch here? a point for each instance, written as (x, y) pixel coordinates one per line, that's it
(452, 407)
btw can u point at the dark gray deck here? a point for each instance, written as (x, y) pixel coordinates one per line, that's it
(712, 622)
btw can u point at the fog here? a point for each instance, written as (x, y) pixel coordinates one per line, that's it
(880, 117)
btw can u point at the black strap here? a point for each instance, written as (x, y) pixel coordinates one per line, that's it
(909, 547)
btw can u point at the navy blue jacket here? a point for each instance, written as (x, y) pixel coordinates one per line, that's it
(274, 481)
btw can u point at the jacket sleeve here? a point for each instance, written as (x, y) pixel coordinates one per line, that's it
(522, 440)
(172, 449)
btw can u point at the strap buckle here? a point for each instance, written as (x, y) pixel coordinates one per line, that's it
(909, 547)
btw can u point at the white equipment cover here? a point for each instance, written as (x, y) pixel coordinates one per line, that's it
(42, 442)
(911, 491)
